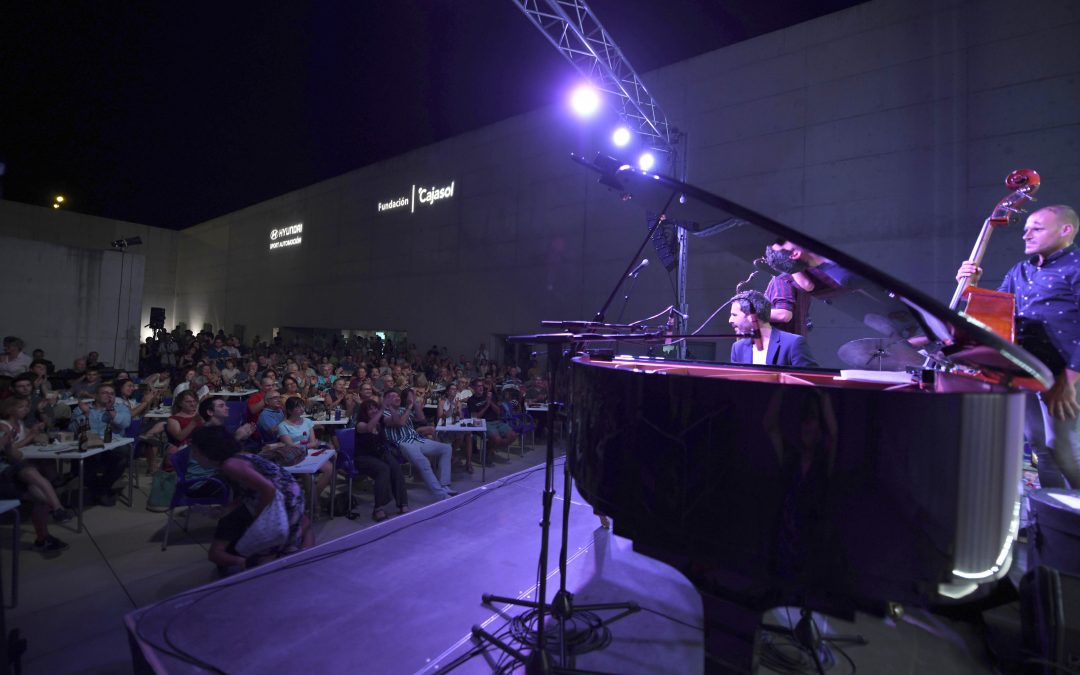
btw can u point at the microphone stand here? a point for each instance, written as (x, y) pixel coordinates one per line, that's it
(626, 300)
(545, 647)
(637, 255)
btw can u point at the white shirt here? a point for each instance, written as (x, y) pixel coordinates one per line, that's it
(15, 366)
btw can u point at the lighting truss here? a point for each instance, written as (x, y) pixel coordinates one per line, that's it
(576, 32)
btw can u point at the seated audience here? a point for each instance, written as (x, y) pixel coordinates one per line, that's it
(256, 482)
(184, 419)
(372, 457)
(397, 421)
(14, 360)
(297, 431)
(18, 477)
(273, 414)
(103, 469)
(482, 405)
(86, 387)
(256, 402)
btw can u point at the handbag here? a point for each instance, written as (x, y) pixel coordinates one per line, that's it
(162, 489)
(284, 455)
(269, 531)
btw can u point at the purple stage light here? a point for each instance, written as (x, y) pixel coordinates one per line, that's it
(621, 137)
(585, 101)
(646, 161)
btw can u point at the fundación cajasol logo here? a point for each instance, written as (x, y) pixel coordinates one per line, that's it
(423, 195)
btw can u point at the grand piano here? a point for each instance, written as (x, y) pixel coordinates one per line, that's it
(805, 487)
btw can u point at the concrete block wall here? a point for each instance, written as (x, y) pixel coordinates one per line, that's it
(886, 130)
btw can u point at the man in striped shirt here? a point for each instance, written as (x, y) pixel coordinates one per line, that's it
(419, 450)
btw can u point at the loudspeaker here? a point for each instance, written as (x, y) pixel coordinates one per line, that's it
(1054, 532)
(157, 317)
(1050, 611)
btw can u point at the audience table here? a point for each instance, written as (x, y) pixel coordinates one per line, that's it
(474, 426)
(242, 394)
(70, 451)
(309, 466)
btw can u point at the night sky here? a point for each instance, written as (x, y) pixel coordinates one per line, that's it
(169, 114)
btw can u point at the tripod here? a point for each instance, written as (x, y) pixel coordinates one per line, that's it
(561, 607)
(808, 636)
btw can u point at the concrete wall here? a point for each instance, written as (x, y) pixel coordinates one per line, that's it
(886, 130)
(76, 230)
(70, 301)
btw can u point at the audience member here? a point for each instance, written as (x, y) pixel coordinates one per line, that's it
(257, 483)
(18, 476)
(14, 360)
(372, 457)
(103, 469)
(482, 405)
(397, 421)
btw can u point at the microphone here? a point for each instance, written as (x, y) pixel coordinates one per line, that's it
(637, 270)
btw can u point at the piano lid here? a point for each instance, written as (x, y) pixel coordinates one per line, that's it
(876, 304)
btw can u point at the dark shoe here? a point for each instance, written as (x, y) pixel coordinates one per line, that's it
(451, 491)
(379, 515)
(50, 544)
(106, 499)
(468, 468)
(62, 515)
(404, 508)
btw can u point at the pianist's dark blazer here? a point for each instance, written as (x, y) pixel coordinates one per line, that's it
(785, 349)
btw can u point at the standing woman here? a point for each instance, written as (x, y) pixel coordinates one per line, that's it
(298, 431)
(256, 483)
(372, 457)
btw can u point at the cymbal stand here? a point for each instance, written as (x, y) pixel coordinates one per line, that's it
(540, 659)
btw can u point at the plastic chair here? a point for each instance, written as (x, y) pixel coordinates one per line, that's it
(346, 439)
(522, 423)
(181, 497)
(237, 413)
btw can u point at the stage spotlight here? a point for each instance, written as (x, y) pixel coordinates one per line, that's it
(621, 137)
(646, 161)
(585, 101)
(60, 199)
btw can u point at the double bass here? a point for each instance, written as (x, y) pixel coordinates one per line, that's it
(996, 309)
(772, 486)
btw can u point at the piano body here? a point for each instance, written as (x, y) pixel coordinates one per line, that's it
(776, 486)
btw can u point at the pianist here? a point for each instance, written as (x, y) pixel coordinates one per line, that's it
(762, 344)
(1047, 289)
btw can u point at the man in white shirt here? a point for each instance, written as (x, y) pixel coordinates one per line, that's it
(14, 361)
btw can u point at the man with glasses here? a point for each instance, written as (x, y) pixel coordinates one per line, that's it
(104, 469)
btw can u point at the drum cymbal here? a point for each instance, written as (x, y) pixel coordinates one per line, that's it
(879, 354)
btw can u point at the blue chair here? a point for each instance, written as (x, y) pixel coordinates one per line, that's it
(344, 463)
(522, 423)
(182, 498)
(237, 413)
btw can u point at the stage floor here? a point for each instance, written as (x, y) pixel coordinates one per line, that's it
(402, 596)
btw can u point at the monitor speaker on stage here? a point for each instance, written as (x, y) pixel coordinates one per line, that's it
(1054, 538)
(1050, 611)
